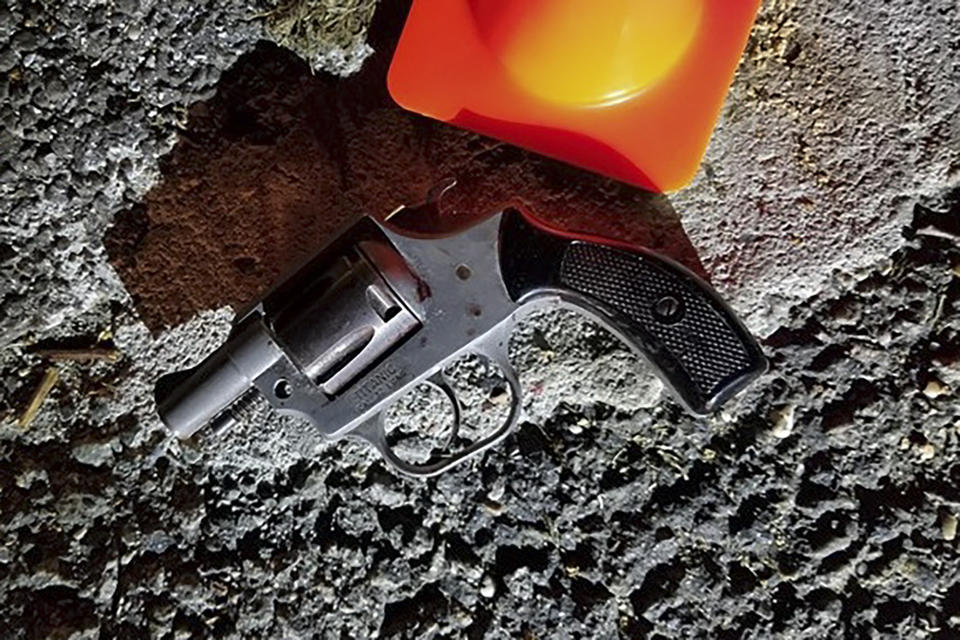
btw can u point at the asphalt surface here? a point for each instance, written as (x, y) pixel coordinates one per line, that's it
(821, 503)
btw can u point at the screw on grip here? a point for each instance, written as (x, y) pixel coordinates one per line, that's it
(663, 311)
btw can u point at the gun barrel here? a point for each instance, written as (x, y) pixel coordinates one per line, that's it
(219, 380)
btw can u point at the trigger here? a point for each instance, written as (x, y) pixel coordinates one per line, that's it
(441, 382)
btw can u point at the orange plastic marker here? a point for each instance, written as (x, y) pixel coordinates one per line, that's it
(628, 88)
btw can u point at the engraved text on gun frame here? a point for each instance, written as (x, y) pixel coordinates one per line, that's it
(377, 385)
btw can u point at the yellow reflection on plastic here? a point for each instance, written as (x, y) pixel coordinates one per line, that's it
(587, 52)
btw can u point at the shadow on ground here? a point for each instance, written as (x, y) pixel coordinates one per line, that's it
(280, 158)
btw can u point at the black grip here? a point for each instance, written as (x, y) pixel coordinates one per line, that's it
(672, 317)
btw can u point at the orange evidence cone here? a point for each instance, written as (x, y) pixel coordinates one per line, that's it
(628, 88)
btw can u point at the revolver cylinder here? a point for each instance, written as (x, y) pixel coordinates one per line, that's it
(327, 325)
(343, 322)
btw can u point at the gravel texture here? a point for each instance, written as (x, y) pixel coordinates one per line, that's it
(329, 36)
(822, 503)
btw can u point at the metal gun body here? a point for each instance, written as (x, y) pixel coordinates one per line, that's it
(381, 310)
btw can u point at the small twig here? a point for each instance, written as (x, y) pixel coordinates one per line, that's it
(488, 149)
(933, 232)
(938, 312)
(46, 384)
(103, 354)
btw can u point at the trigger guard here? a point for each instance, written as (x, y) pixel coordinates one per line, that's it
(440, 381)
(493, 348)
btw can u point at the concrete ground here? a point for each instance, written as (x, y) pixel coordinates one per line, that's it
(821, 503)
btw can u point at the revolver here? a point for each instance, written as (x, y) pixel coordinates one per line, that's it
(382, 309)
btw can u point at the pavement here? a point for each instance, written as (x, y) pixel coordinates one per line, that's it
(821, 503)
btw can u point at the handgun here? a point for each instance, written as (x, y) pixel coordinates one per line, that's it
(382, 309)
